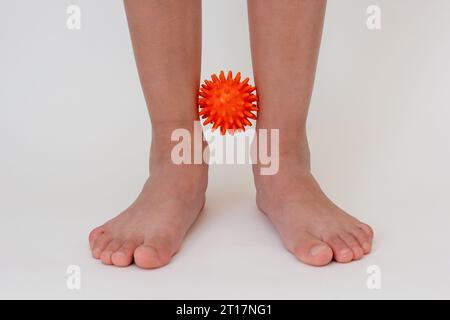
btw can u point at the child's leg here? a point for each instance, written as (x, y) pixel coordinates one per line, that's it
(166, 37)
(285, 36)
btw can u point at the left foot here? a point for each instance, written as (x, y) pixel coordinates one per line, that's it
(312, 227)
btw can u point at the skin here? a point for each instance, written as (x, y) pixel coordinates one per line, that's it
(166, 38)
(285, 39)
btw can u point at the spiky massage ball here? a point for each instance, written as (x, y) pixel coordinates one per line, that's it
(227, 103)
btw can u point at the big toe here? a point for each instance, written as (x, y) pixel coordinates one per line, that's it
(311, 250)
(149, 256)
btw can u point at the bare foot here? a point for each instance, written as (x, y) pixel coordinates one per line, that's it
(312, 227)
(151, 230)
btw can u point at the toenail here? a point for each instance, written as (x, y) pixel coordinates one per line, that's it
(317, 249)
(345, 252)
(366, 246)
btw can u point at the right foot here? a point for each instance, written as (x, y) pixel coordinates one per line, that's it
(152, 229)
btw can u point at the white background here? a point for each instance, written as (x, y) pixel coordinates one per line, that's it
(74, 137)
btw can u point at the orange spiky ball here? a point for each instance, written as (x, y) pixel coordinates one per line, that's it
(227, 103)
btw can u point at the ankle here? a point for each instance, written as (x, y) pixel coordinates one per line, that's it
(292, 155)
(178, 142)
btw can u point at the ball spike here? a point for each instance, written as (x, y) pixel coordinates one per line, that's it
(250, 89)
(203, 94)
(214, 78)
(243, 83)
(237, 79)
(230, 76)
(215, 125)
(209, 120)
(250, 115)
(252, 98)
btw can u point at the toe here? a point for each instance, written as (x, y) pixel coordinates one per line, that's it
(152, 254)
(367, 229)
(99, 245)
(311, 250)
(94, 235)
(353, 244)
(124, 255)
(363, 238)
(342, 253)
(112, 247)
